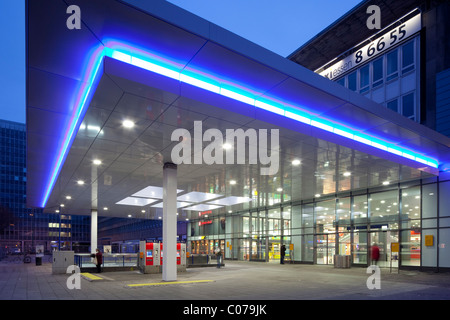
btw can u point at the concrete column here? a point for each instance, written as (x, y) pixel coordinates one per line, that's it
(169, 269)
(94, 230)
(94, 211)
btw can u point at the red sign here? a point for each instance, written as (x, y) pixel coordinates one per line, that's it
(204, 212)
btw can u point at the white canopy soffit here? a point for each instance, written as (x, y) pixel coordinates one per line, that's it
(104, 100)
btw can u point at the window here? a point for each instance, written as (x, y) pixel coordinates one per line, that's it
(377, 74)
(364, 79)
(393, 105)
(341, 81)
(408, 106)
(408, 57)
(392, 65)
(352, 81)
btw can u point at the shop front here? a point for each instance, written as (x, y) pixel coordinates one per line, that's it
(391, 221)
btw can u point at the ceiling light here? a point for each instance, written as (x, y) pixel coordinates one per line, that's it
(279, 189)
(129, 216)
(195, 196)
(105, 208)
(347, 174)
(68, 197)
(128, 124)
(295, 162)
(317, 195)
(80, 182)
(97, 162)
(132, 201)
(232, 182)
(385, 183)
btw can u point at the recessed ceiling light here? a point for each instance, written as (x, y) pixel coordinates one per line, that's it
(232, 182)
(128, 124)
(347, 174)
(279, 189)
(80, 182)
(105, 208)
(68, 197)
(129, 216)
(97, 162)
(317, 195)
(295, 162)
(385, 183)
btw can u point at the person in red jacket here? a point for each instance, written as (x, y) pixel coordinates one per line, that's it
(99, 257)
(375, 254)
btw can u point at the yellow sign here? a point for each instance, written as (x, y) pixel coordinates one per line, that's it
(228, 244)
(395, 247)
(291, 246)
(429, 240)
(231, 247)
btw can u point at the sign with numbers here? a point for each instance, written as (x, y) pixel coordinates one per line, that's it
(384, 41)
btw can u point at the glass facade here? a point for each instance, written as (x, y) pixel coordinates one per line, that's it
(350, 223)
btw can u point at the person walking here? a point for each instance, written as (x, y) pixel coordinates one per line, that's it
(282, 253)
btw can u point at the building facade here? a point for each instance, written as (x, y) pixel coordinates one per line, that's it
(404, 66)
(23, 228)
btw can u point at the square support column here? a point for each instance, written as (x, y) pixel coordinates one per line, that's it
(169, 268)
(94, 230)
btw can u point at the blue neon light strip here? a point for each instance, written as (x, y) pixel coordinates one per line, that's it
(151, 63)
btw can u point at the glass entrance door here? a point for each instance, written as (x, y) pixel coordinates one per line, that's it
(325, 248)
(381, 241)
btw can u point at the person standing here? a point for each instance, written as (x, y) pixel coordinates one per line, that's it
(282, 253)
(219, 256)
(99, 260)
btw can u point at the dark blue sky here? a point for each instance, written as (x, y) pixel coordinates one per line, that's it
(278, 25)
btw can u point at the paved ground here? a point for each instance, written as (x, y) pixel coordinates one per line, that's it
(236, 281)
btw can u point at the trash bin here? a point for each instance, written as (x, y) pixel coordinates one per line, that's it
(38, 261)
(342, 261)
